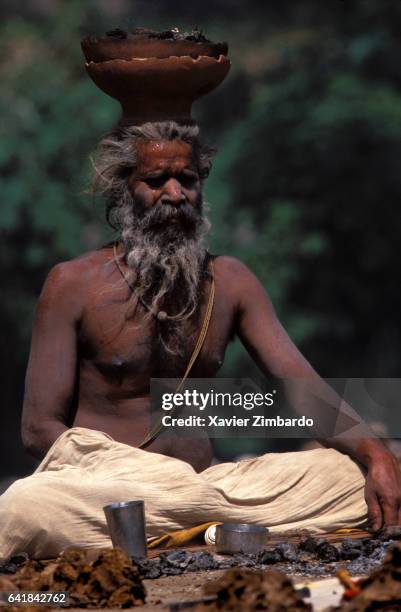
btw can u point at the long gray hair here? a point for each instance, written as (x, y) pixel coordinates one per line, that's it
(165, 268)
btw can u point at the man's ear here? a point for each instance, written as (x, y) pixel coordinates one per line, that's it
(205, 173)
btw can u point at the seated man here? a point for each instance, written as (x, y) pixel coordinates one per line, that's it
(113, 318)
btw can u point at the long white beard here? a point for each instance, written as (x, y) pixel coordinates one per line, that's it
(166, 262)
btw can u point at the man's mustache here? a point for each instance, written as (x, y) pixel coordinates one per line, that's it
(161, 215)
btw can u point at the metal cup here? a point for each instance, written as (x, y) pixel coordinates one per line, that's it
(232, 538)
(126, 523)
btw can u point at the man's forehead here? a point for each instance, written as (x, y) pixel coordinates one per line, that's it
(153, 154)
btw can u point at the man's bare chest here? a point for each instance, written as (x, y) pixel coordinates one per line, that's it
(119, 339)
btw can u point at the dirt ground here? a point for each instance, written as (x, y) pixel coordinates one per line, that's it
(185, 588)
(174, 589)
(168, 592)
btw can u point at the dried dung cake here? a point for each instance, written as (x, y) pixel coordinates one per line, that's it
(110, 581)
(242, 590)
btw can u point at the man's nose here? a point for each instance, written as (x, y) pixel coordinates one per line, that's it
(172, 193)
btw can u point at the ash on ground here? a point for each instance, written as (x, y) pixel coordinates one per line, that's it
(311, 557)
(379, 591)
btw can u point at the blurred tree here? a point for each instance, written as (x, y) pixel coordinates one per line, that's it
(315, 164)
(51, 118)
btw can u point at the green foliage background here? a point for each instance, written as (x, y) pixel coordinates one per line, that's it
(305, 189)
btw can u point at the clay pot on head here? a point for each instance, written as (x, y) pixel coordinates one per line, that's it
(155, 80)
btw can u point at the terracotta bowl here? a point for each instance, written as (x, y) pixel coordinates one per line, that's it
(154, 89)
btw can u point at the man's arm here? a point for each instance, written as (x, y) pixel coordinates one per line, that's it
(50, 378)
(274, 352)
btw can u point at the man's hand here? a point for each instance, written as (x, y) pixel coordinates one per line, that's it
(383, 491)
(274, 352)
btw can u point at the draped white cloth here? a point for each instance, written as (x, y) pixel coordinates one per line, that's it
(60, 505)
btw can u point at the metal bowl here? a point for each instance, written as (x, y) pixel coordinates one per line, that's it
(233, 538)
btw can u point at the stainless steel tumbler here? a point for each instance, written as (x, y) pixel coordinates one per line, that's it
(233, 538)
(126, 523)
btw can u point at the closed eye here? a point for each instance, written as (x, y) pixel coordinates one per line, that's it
(188, 180)
(156, 182)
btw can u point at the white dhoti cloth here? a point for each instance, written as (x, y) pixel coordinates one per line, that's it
(60, 505)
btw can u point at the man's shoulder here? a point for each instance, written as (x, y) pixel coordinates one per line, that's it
(233, 278)
(79, 271)
(238, 280)
(228, 267)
